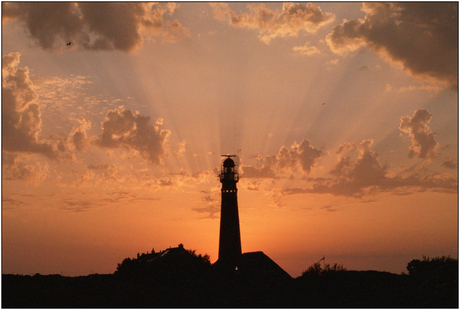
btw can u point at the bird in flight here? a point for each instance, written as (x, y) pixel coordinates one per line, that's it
(68, 44)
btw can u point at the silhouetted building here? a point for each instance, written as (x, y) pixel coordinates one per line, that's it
(229, 238)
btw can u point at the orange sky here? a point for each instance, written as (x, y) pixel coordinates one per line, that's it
(345, 117)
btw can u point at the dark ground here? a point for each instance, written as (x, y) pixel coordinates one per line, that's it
(179, 278)
(355, 289)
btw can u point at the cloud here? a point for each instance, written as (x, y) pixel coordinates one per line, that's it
(99, 174)
(46, 22)
(301, 156)
(366, 175)
(21, 117)
(427, 87)
(176, 32)
(123, 128)
(166, 182)
(422, 37)
(117, 197)
(253, 185)
(451, 164)
(56, 93)
(78, 205)
(78, 135)
(212, 199)
(366, 171)
(208, 198)
(95, 25)
(328, 208)
(333, 62)
(260, 172)
(22, 123)
(306, 49)
(101, 166)
(212, 210)
(423, 142)
(88, 179)
(10, 203)
(15, 169)
(293, 18)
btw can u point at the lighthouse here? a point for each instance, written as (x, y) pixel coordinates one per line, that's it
(229, 238)
(233, 265)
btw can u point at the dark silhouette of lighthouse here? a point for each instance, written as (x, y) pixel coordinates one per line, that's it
(229, 238)
(232, 265)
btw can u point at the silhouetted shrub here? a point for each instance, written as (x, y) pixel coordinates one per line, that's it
(316, 270)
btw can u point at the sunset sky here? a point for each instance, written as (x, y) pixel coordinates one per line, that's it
(344, 116)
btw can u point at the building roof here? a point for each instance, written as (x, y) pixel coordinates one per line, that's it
(256, 267)
(258, 264)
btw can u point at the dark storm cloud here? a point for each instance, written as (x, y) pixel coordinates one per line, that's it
(95, 25)
(123, 128)
(423, 142)
(21, 117)
(420, 36)
(46, 22)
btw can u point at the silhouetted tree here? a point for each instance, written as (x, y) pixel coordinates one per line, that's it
(205, 258)
(171, 264)
(435, 281)
(435, 268)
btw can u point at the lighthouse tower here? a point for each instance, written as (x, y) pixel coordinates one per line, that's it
(229, 238)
